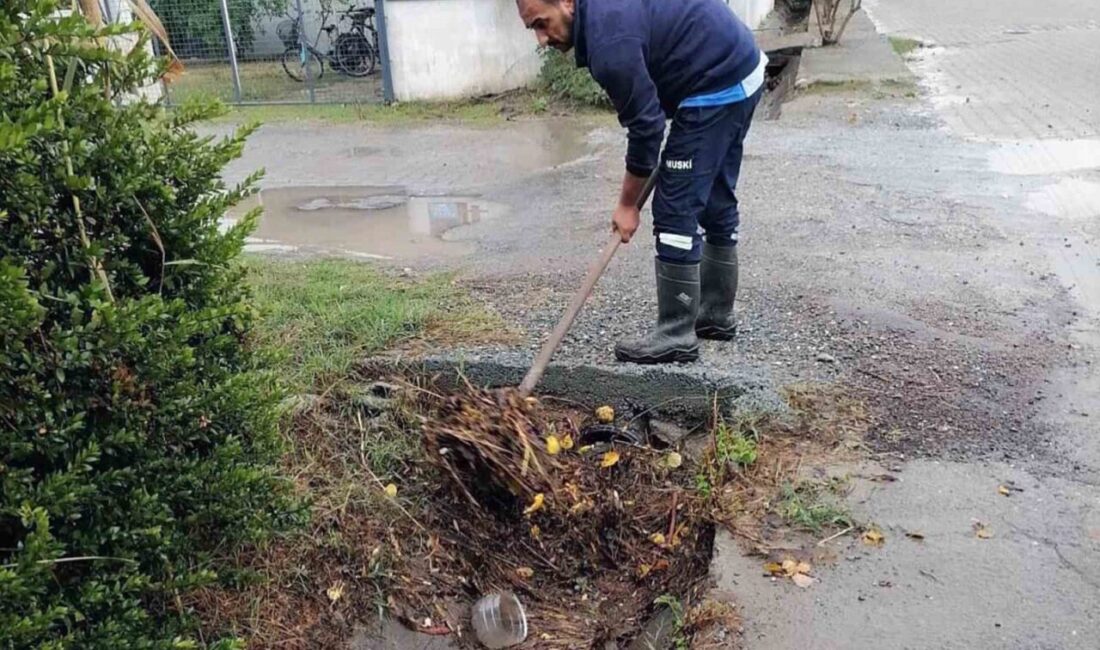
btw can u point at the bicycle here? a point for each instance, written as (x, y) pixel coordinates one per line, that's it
(351, 53)
(359, 53)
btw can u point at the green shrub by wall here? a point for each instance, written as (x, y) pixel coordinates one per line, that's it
(563, 80)
(138, 431)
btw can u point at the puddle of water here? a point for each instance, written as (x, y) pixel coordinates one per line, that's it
(557, 141)
(1032, 157)
(1070, 198)
(372, 223)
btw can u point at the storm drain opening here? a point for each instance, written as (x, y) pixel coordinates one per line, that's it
(780, 77)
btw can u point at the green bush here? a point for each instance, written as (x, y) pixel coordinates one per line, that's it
(563, 80)
(195, 27)
(138, 428)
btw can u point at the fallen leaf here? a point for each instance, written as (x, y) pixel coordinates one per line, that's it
(585, 449)
(802, 580)
(536, 505)
(391, 490)
(525, 572)
(660, 565)
(581, 506)
(553, 445)
(803, 567)
(609, 459)
(657, 538)
(535, 532)
(643, 570)
(567, 441)
(873, 537)
(773, 568)
(335, 592)
(673, 460)
(914, 535)
(1004, 491)
(676, 534)
(605, 414)
(982, 531)
(790, 567)
(531, 401)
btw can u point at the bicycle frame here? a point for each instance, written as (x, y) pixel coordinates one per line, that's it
(312, 47)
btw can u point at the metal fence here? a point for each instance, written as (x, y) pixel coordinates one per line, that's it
(276, 51)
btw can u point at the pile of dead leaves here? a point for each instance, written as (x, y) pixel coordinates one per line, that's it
(422, 501)
(587, 529)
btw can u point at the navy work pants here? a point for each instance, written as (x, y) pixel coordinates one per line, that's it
(697, 181)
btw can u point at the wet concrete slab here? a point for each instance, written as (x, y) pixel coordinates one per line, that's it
(433, 158)
(862, 56)
(1032, 584)
(367, 222)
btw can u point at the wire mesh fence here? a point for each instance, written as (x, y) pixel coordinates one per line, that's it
(274, 51)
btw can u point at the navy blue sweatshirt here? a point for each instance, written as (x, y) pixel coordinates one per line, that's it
(650, 55)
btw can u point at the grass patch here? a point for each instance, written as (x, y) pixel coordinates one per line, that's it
(675, 607)
(486, 111)
(735, 449)
(321, 317)
(473, 111)
(814, 506)
(267, 81)
(902, 46)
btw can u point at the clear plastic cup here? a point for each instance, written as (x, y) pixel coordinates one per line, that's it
(499, 620)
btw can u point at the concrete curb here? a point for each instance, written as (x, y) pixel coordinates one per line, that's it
(680, 391)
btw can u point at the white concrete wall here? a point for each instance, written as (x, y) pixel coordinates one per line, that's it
(751, 12)
(266, 43)
(117, 11)
(442, 49)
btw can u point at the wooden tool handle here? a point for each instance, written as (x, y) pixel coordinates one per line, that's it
(594, 273)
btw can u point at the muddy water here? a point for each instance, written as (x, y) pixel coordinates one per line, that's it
(378, 222)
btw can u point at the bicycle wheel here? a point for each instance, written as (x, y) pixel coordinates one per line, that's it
(354, 55)
(296, 68)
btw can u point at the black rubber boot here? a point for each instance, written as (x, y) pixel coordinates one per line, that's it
(718, 289)
(677, 305)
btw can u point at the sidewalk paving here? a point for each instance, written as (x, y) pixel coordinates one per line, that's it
(862, 56)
